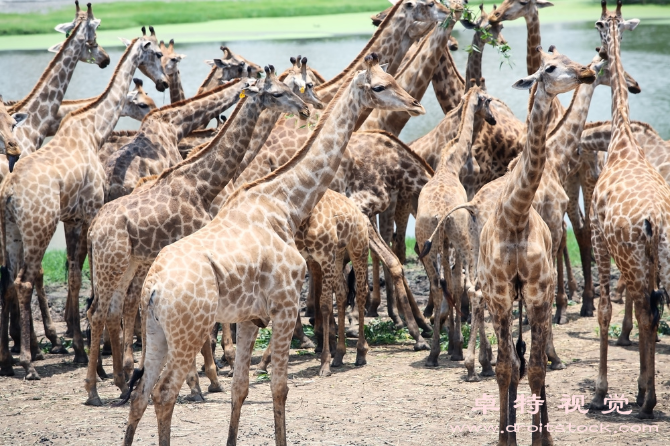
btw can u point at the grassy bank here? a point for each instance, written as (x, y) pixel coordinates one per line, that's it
(55, 270)
(135, 14)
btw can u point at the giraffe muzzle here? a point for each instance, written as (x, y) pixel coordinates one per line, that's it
(304, 113)
(587, 76)
(12, 159)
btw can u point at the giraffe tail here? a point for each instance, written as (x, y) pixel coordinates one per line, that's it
(520, 343)
(5, 275)
(429, 243)
(656, 296)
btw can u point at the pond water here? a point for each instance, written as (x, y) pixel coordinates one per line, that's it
(644, 51)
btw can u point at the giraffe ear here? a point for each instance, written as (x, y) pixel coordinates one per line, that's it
(526, 82)
(543, 4)
(20, 119)
(631, 24)
(55, 48)
(210, 62)
(65, 27)
(220, 63)
(95, 23)
(126, 42)
(467, 24)
(384, 66)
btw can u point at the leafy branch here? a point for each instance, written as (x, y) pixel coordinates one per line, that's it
(504, 50)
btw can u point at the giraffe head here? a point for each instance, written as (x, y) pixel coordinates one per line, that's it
(276, 95)
(92, 53)
(138, 102)
(514, 9)
(483, 109)
(558, 74)
(8, 143)
(301, 83)
(610, 20)
(379, 89)
(233, 66)
(483, 22)
(601, 67)
(170, 59)
(150, 58)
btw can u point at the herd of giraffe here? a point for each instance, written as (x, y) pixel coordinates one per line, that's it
(188, 227)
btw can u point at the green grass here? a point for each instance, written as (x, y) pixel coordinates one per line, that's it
(135, 14)
(54, 268)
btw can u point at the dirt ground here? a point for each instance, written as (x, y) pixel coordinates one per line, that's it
(393, 400)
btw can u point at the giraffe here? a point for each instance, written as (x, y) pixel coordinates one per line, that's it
(42, 103)
(515, 246)
(442, 192)
(261, 278)
(128, 253)
(8, 124)
(154, 147)
(170, 62)
(63, 182)
(628, 211)
(226, 69)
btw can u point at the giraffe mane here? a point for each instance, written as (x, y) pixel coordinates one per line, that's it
(110, 84)
(422, 43)
(418, 158)
(121, 133)
(79, 101)
(145, 180)
(47, 72)
(169, 107)
(205, 148)
(458, 73)
(208, 78)
(305, 147)
(461, 124)
(564, 118)
(354, 63)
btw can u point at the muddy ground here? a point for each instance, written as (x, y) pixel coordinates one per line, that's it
(394, 400)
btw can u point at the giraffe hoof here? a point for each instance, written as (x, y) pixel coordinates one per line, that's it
(80, 358)
(426, 334)
(421, 345)
(472, 378)
(431, 362)
(488, 372)
(32, 376)
(195, 397)
(352, 332)
(372, 313)
(642, 415)
(261, 371)
(597, 404)
(94, 401)
(623, 342)
(59, 350)
(307, 343)
(337, 362)
(325, 372)
(7, 371)
(360, 361)
(586, 312)
(558, 365)
(456, 357)
(215, 388)
(15, 349)
(37, 356)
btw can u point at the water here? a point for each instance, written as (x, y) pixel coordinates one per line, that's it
(644, 52)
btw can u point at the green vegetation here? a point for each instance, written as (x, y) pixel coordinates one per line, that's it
(263, 339)
(55, 268)
(379, 332)
(135, 14)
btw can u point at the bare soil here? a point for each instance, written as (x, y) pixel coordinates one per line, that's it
(393, 400)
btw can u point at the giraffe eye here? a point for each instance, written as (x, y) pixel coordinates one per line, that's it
(310, 85)
(142, 105)
(550, 69)
(277, 95)
(378, 88)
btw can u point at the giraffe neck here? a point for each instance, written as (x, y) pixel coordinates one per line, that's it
(622, 144)
(176, 90)
(386, 42)
(213, 166)
(299, 184)
(430, 145)
(517, 198)
(533, 39)
(208, 82)
(448, 84)
(43, 101)
(98, 119)
(456, 153)
(199, 110)
(414, 79)
(563, 141)
(261, 133)
(473, 69)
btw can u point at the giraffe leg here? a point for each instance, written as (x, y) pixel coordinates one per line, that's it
(456, 287)
(583, 237)
(316, 276)
(6, 360)
(49, 329)
(326, 308)
(193, 383)
(539, 318)
(310, 305)
(646, 397)
(431, 266)
(627, 325)
(485, 352)
(246, 335)
(75, 237)
(210, 368)
(266, 359)
(604, 315)
(299, 334)
(416, 311)
(282, 323)
(572, 282)
(360, 265)
(507, 368)
(227, 345)
(386, 233)
(376, 300)
(561, 316)
(341, 296)
(130, 310)
(154, 358)
(619, 292)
